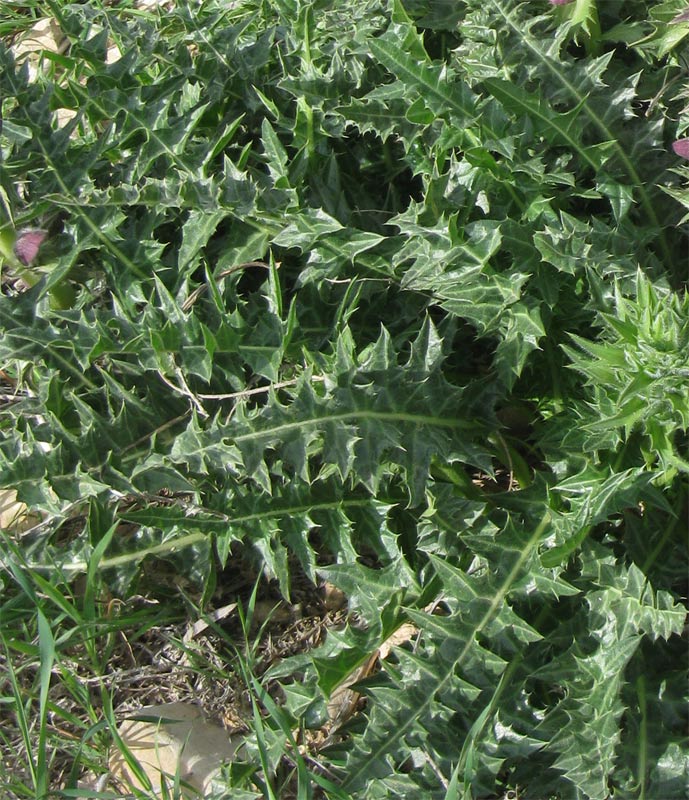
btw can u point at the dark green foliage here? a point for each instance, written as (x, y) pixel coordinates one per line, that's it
(394, 291)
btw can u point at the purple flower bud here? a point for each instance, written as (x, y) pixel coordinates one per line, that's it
(27, 244)
(681, 147)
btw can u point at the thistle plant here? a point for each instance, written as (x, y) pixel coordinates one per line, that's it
(638, 371)
(388, 294)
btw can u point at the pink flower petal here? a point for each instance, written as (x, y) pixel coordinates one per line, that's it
(559, 2)
(27, 245)
(681, 147)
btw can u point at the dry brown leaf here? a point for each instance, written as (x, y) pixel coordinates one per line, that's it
(173, 739)
(151, 5)
(401, 636)
(343, 699)
(15, 516)
(45, 35)
(201, 625)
